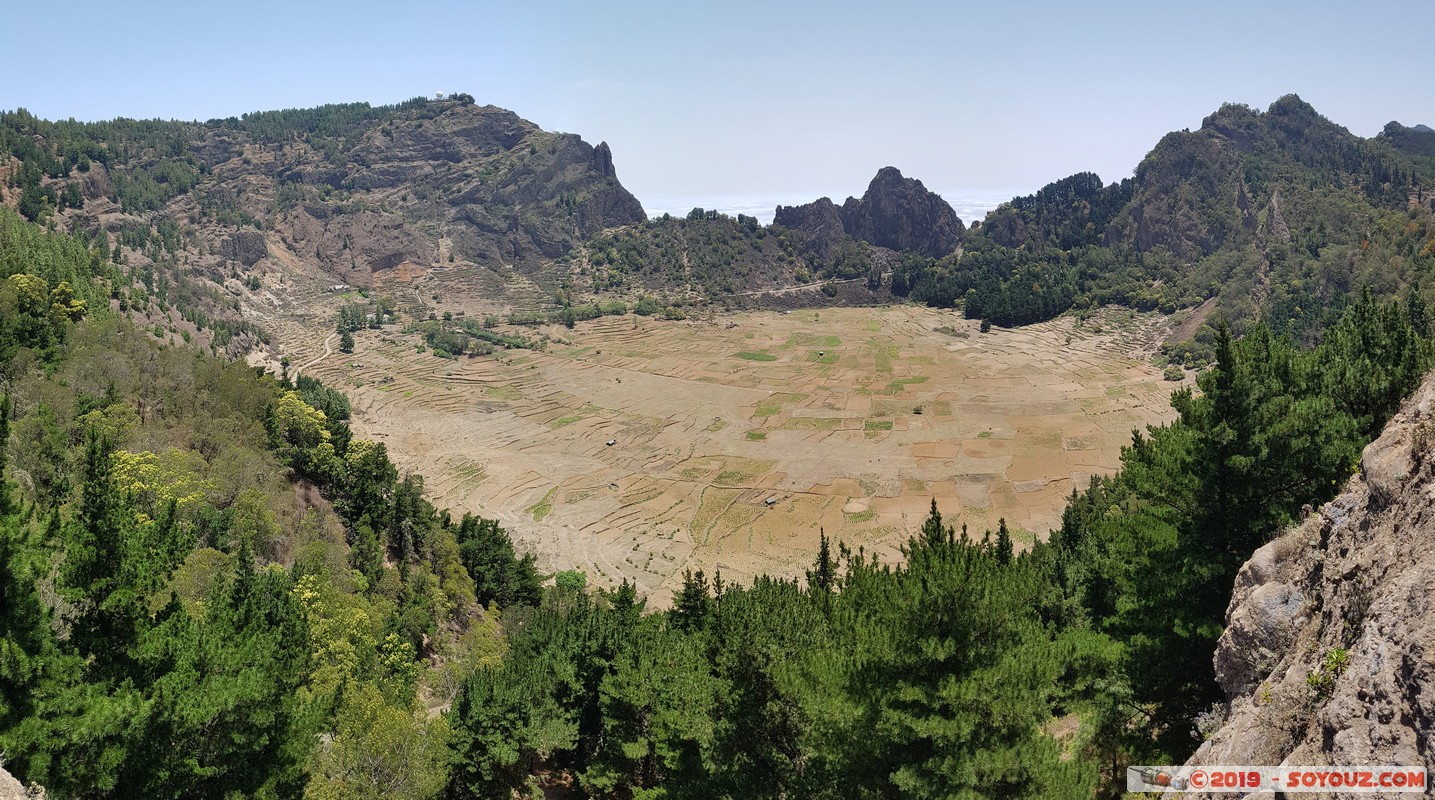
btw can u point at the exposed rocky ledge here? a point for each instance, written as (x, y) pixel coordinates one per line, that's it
(1329, 653)
(11, 789)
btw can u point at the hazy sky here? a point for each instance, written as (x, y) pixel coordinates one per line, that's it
(744, 104)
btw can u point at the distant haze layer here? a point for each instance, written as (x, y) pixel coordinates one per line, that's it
(970, 205)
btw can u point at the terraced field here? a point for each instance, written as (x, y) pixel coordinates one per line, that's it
(734, 441)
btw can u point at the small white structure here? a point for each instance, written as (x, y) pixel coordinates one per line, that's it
(612, 442)
(771, 501)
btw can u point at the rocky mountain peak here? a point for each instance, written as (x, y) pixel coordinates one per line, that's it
(603, 160)
(901, 214)
(1292, 106)
(895, 212)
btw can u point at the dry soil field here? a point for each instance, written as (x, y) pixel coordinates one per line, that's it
(735, 440)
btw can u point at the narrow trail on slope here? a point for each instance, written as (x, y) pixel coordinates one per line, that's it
(328, 351)
(803, 287)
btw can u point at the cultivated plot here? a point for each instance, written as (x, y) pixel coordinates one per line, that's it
(638, 447)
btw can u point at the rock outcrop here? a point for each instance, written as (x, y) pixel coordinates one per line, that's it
(499, 189)
(246, 247)
(819, 223)
(424, 184)
(11, 789)
(895, 212)
(1329, 653)
(899, 213)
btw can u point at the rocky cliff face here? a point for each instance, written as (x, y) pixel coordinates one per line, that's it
(899, 213)
(895, 212)
(819, 223)
(445, 182)
(475, 181)
(1329, 653)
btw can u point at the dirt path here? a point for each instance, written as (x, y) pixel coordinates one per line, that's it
(328, 351)
(804, 287)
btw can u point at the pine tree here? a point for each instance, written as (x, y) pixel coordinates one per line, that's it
(1004, 544)
(365, 556)
(24, 628)
(933, 534)
(1417, 311)
(5, 507)
(690, 608)
(823, 575)
(97, 573)
(499, 576)
(625, 602)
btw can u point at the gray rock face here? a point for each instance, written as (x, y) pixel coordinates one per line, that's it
(899, 213)
(1275, 223)
(819, 216)
(11, 789)
(896, 212)
(820, 223)
(501, 191)
(1329, 654)
(1265, 615)
(246, 247)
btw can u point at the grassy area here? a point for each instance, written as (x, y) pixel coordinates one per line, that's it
(896, 386)
(641, 496)
(774, 403)
(543, 507)
(812, 424)
(877, 425)
(469, 473)
(740, 471)
(503, 392)
(561, 421)
(862, 516)
(824, 342)
(757, 436)
(883, 354)
(756, 355)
